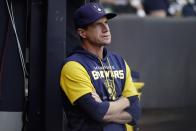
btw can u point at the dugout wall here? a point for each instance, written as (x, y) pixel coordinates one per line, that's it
(163, 51)
(28, 17)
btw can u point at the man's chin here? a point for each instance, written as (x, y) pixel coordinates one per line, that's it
(105, 44)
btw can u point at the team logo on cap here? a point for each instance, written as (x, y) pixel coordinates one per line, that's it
(98, 9)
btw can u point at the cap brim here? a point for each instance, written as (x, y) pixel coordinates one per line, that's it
(110, 15)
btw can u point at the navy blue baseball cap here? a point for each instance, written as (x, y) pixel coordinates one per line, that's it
(89, 13)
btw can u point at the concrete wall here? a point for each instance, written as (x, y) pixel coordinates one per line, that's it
(163, 52)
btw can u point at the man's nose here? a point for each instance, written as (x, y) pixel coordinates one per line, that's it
(105, 27)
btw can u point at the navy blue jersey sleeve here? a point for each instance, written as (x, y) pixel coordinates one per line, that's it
(95, 109)
(134, 109)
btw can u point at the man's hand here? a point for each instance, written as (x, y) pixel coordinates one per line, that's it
(106, 111)
(116, 112)
(96, 97)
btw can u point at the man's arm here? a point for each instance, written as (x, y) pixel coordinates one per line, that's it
(121, 118)
(115, 106)
(105, 111)
(124, 110)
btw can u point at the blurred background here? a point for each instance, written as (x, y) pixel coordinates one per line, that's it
(156, 38)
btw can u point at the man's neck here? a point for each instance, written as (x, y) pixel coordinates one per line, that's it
(96, 50)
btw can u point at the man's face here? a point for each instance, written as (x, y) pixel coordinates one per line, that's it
(98, 32)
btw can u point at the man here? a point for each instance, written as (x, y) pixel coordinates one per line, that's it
(156, 8)
(98, 93)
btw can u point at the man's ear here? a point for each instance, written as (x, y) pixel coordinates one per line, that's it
(81, 32)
